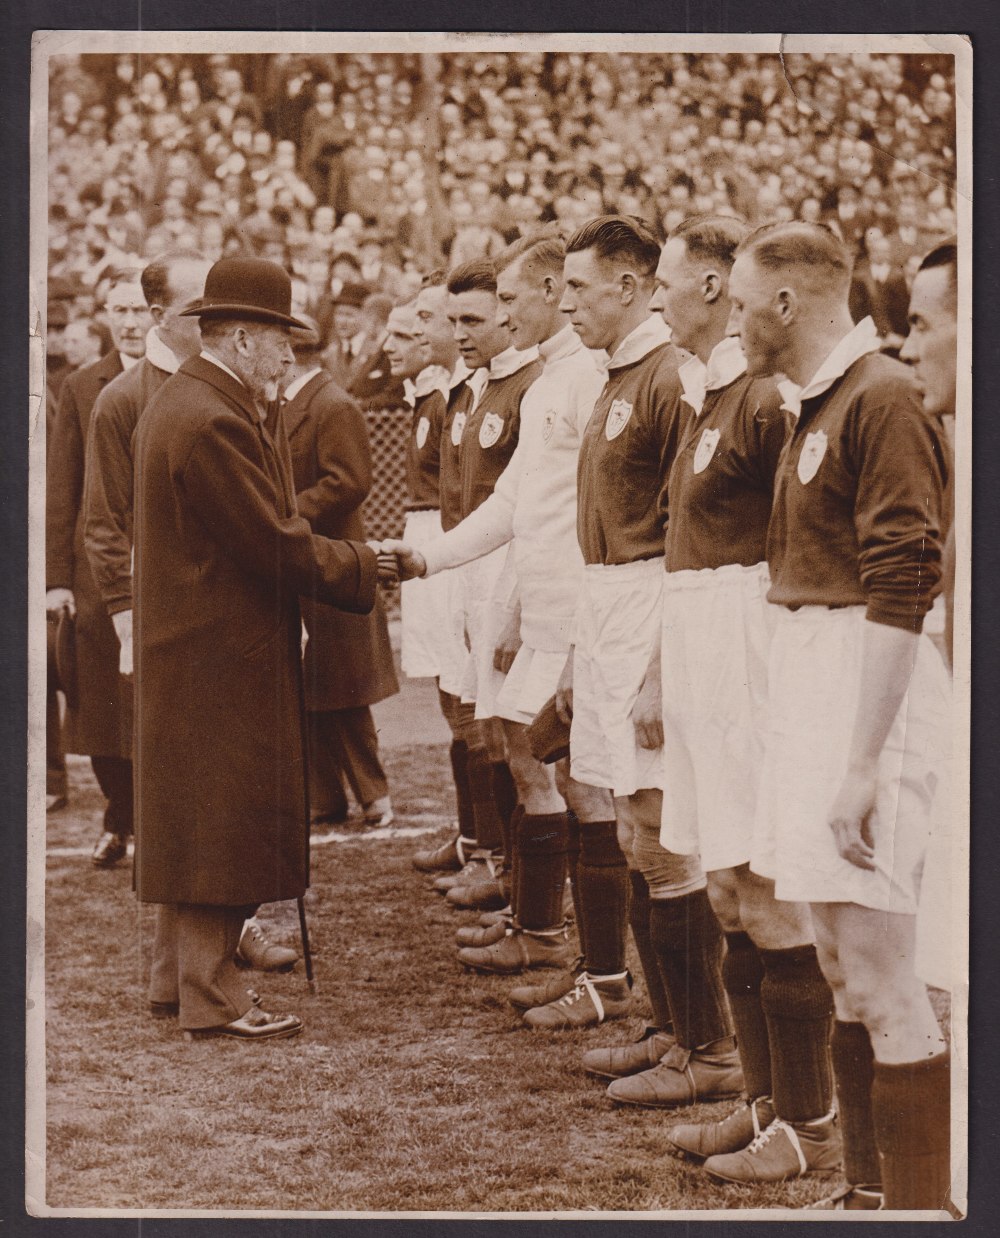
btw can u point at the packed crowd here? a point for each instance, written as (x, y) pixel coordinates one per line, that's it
(673, 605)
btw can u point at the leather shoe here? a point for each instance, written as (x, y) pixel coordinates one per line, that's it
(256, 951)
(110, 849)
(256, 1024)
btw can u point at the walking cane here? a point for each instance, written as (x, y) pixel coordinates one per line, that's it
(306, 952)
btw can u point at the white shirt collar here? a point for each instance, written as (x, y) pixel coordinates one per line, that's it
(562, 344)
(862, 339)
(296, 385)
(511, 360)
(649, 334)
(431, 378)
(726, 363)
(159, 354)
(459, 374)
(221, 364)
(127, 361)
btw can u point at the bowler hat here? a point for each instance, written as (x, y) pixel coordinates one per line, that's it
(251, 288)
(352, 294)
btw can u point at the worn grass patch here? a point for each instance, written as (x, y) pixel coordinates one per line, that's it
(414, 1087)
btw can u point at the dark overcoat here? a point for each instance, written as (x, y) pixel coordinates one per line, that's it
(348, 660)
(100, 724)
(221, 558)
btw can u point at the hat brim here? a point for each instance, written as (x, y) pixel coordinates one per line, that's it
(253, 313)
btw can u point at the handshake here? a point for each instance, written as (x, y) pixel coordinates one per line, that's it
(397, 561)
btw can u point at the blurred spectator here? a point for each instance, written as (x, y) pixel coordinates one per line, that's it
(344, 328)
(373, 384)
(83, 343)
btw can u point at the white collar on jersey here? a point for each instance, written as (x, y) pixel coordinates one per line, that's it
(726, 363)
(431, 378)
(649, 334)
(158, 353)
(564, 343)
(862, 339)
(296, 385)
(511, 360)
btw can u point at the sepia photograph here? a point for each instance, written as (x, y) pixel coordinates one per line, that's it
(499, 640)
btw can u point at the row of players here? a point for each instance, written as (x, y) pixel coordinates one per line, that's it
(701, 523)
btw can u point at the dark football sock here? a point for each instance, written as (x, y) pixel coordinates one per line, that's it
(911, 1108)
(512, 861)
(541, 876)
(572, 864)
(853, 1074)
(742, 973)
(687, 941)
(489, 833)
(602, 876)
(798, 1006)
(504, 790)
(459, 754)
(638, 918)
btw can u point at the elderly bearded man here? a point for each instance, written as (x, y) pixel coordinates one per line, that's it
(221, 559)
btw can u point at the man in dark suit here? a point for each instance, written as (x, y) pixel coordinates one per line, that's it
(99, 725)
(342, 323)
(348, 659)
(221, 559)
(169, 283)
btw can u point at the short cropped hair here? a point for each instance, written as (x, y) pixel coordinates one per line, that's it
(943, 255)
(543, 253)
(711, 238)
(476, 276)
(155, 278)
(618, 237)
(214, 329)
(437, 278)
(776, 246)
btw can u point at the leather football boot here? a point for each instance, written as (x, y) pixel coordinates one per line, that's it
(683, 1077)
(781, 1151)
(448, 858)
(527, 996)
(476, 868)
(520, 951)
(478, 936)
(486, 895)
(618, 1061)
(697, 1141)
(587, 1004)
(867, 1198)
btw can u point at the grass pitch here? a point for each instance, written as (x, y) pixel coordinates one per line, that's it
(415, 1086)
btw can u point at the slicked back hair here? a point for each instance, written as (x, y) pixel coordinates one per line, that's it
(476, 276)
(618, 238)
(815, 247)
(543, 254)
(943, 255)
(711, 238)
(155, 278)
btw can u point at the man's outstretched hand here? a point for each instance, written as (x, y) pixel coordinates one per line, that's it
(401, 560)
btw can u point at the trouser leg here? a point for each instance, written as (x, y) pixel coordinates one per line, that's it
(327, 799)
(210, 987)
(114, 776)
(359, 754)
(163, 973)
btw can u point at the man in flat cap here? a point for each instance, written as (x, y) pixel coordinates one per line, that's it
(221, 558)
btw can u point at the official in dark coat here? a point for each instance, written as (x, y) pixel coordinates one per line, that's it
(348, 659)
(99, 726)
(221, 559)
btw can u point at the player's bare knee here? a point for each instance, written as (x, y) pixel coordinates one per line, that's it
(723, 894)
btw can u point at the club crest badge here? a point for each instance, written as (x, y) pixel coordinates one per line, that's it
(457, 426)
(706, 449)
(423, 429)
(548, 424)
(490, 429)
(811, 456)
(618, 416)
